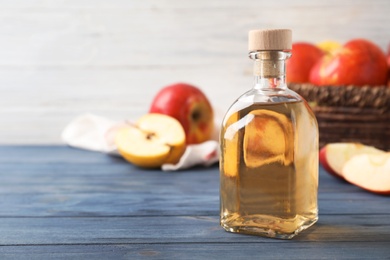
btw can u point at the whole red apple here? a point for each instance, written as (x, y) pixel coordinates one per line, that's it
(359, 62)
(190, 106)
(304, 56)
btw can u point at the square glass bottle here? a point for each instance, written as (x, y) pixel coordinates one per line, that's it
(269, 149)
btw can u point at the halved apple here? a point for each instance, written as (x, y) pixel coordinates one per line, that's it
(154, 140)
(333, 156)
(369, 171)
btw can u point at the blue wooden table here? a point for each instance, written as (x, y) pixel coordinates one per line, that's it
(59, 202)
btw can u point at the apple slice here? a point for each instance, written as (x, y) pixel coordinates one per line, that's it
(369, 171)
(154, 140)
(333, 156)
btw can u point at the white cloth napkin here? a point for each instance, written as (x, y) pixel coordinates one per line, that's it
(97, 133)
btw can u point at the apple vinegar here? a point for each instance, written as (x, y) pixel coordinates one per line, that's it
(269, 150)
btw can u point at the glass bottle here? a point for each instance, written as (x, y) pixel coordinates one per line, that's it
(269, 149)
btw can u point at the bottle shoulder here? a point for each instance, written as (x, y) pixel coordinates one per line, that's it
(270, 96)
(269, 99)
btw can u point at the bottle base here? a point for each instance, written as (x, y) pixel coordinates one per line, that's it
(269, 226)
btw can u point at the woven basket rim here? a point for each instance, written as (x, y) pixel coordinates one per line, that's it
(376, 98)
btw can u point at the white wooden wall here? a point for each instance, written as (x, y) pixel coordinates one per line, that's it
(59, 59)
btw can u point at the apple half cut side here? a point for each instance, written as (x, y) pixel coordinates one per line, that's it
(154, 140)
(333, 156)
(370, 172)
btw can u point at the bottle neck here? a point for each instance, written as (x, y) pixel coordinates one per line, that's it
(270, 69)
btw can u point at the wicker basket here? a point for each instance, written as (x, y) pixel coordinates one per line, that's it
(350, 114)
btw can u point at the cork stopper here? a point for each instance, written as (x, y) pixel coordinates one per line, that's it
(274, 39)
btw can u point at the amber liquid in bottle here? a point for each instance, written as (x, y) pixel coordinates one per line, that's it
(269, 162)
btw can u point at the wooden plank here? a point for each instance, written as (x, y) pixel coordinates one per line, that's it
(141, 204)
(68, 203)
(109, 92)
(307, 250)
(177, 229)
(61, 181)
(84, 175)
(58, 60)
(291, 250)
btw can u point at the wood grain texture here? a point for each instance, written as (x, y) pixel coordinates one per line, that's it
(59, 59)
(56, 181)
(178, 229)
(237, 250)
(59, 202)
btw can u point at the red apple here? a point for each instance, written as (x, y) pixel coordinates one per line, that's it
(369, 171)
(334, 156)
(190, 106)
(388, 55)
(304, 57)
(359, 62)
(328, 46)
(388, 63)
